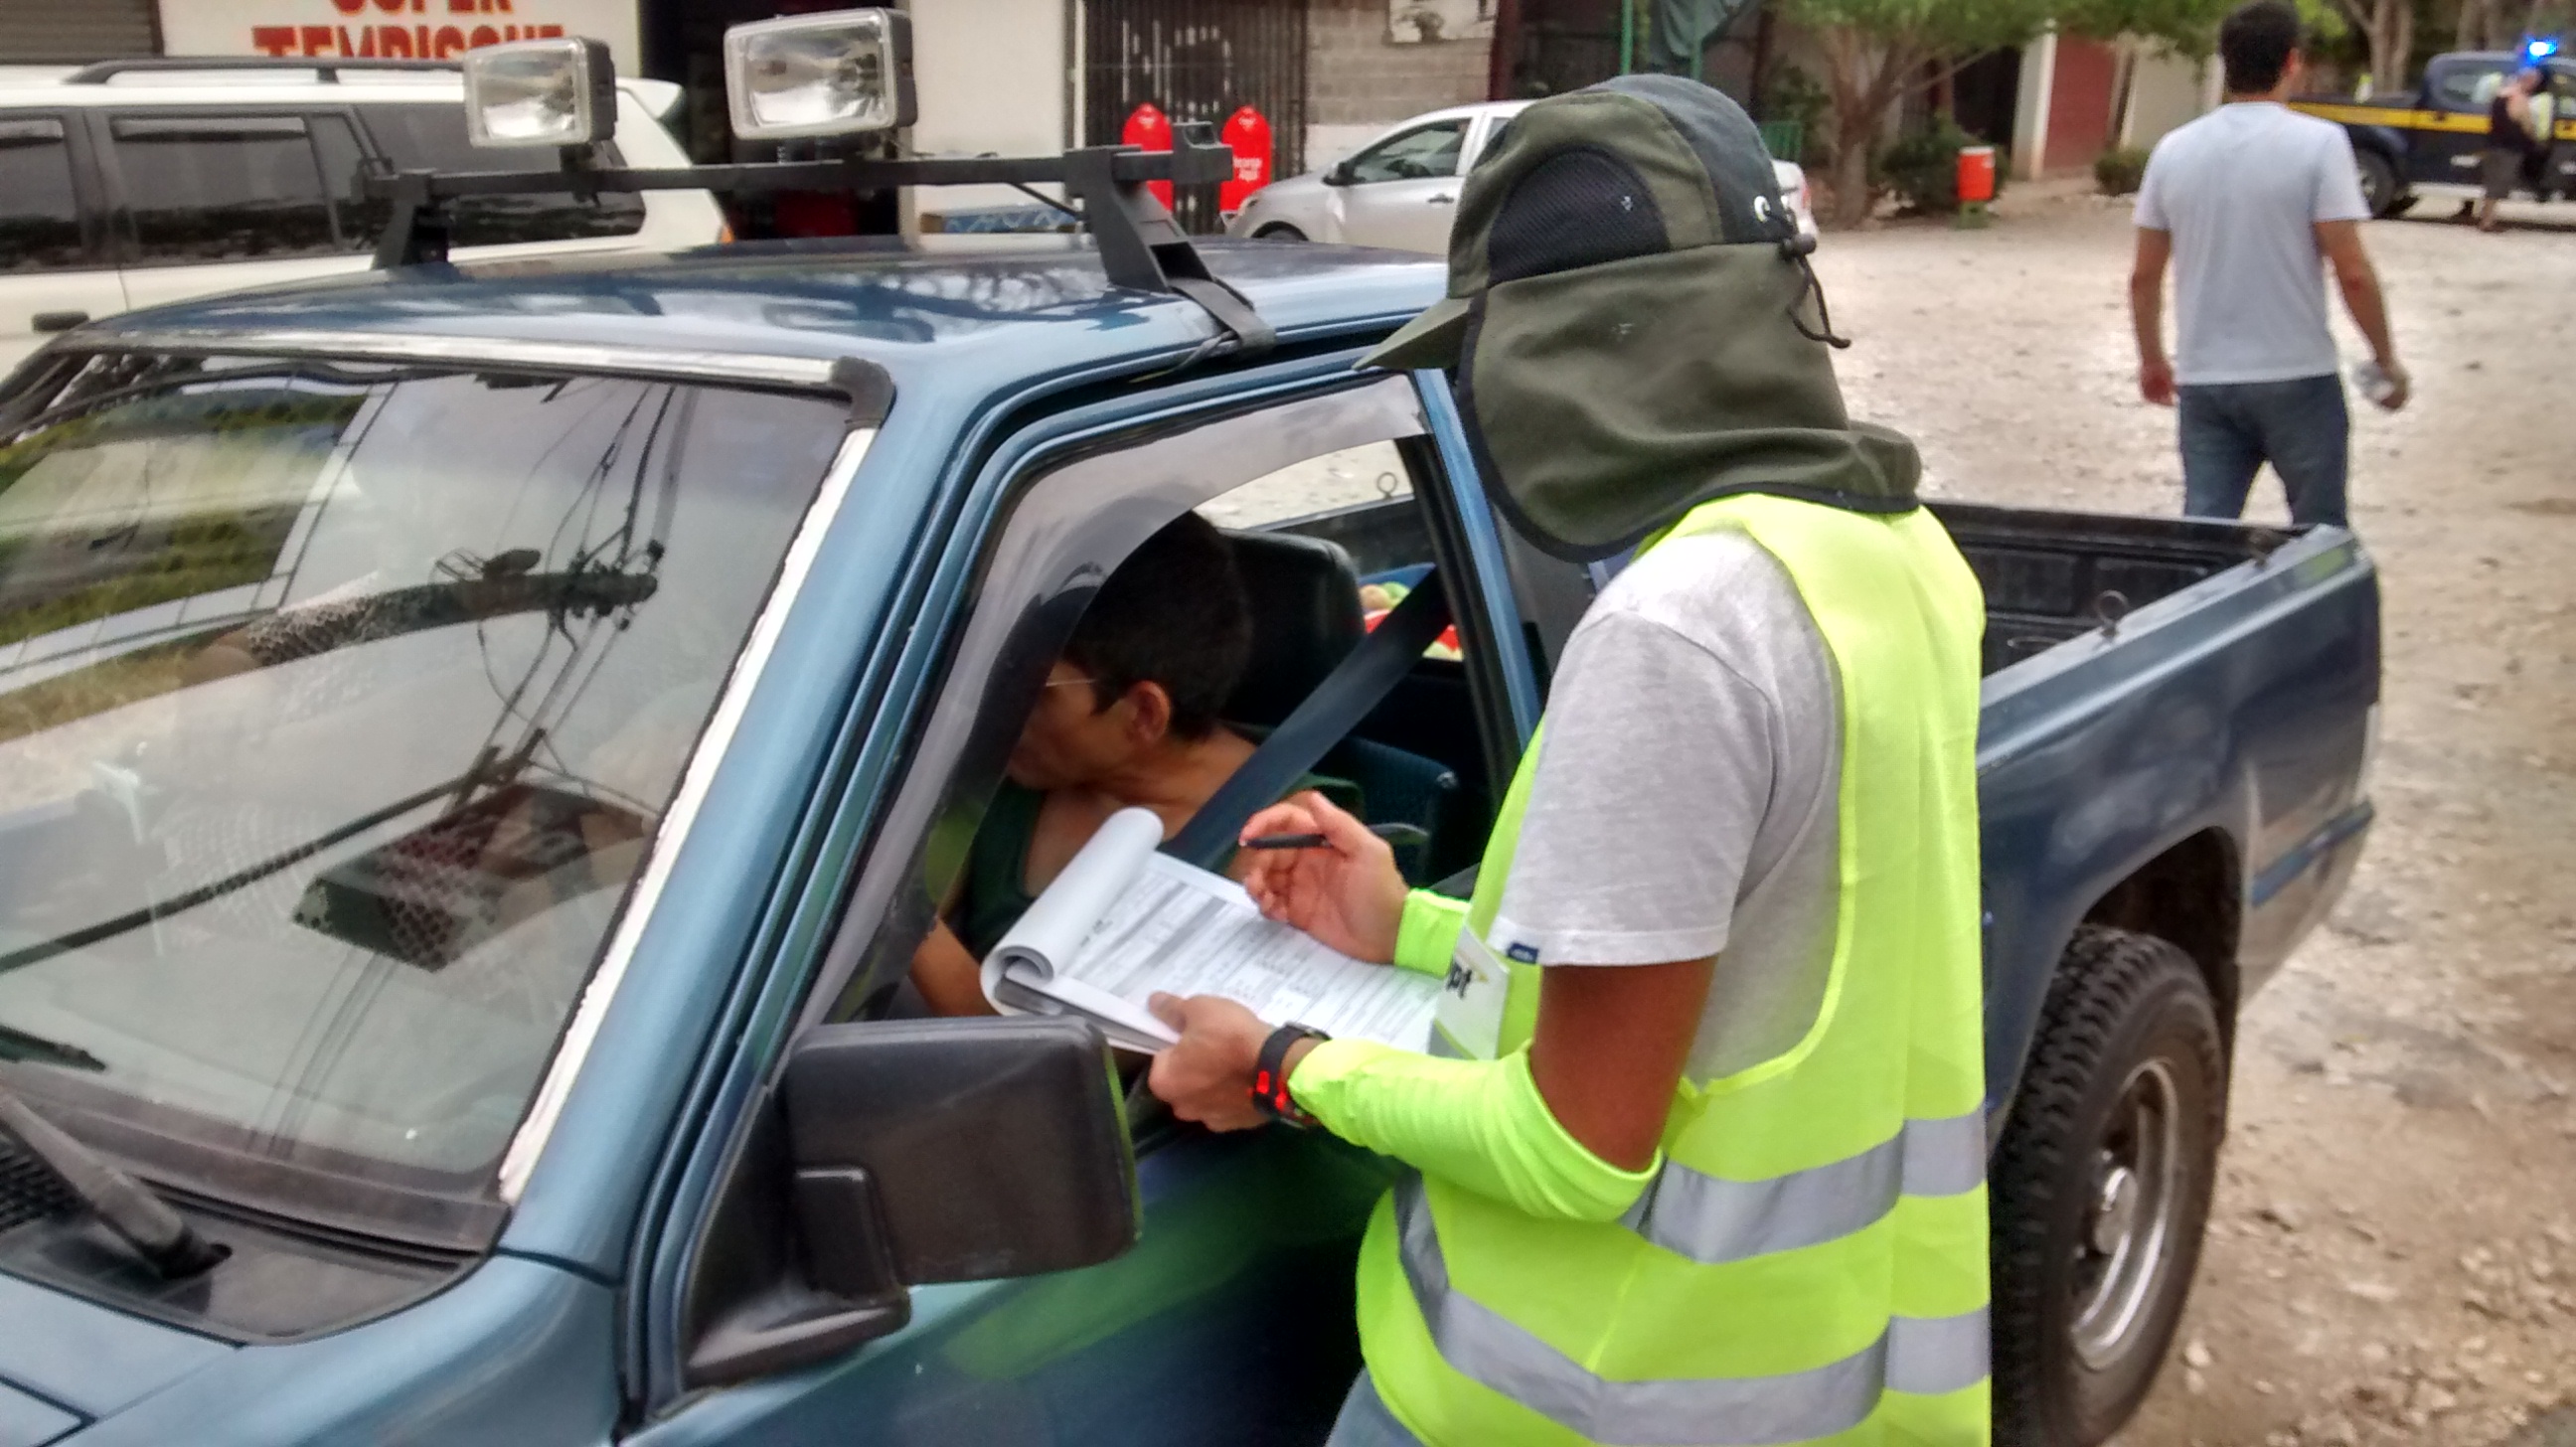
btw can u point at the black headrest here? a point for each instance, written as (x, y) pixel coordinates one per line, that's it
(1305, 599)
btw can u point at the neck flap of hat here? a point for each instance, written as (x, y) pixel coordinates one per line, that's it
(1634, 341)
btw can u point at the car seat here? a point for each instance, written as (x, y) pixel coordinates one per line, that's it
(1305, 597)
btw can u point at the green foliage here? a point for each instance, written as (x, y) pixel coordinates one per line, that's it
(1929, 28)
(1922, 168)
(2118, 170)
(2187, 27)
(1790, 94)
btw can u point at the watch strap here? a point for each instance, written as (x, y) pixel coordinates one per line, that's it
(1270, 1075)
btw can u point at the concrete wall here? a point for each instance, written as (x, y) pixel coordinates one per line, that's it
(2164, 91)
(2030, 111)
(1358, 82)
(992, 76)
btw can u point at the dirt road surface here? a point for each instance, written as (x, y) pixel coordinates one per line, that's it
(2392, 1257)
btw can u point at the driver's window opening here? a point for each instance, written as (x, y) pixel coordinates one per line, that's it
(1200, 643)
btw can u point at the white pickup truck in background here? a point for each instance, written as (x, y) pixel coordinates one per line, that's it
(136, 183)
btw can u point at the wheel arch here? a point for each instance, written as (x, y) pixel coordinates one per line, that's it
(2383, 141)
(2192, 894)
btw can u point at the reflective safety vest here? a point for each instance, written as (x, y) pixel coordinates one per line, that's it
(1810, 1264)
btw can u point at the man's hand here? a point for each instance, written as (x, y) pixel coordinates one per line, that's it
(1347, 893)
(2403, 386)
(2359, 282)
(2156, 381)
(2146, 313)
(1207, 1077)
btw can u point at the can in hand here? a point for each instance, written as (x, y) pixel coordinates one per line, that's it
(2374, 382)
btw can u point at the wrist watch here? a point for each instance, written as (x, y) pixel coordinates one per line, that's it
(1270, 1075)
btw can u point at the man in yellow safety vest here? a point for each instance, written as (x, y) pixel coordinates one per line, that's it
(1698, 1152)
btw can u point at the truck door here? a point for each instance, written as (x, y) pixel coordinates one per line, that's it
(1231, 1318)
(2457, 91)
(2560, 172)
(55, 271)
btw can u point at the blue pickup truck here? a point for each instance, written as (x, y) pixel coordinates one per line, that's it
(478, 747)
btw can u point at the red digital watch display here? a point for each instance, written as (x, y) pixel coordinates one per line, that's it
(1270, 1074)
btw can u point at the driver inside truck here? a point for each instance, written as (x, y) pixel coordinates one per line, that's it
(1129, 717)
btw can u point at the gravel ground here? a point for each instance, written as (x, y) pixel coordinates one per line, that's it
(2392, 1256)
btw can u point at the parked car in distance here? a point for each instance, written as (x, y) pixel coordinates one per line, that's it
(2425, 141)
(138, 183)
(1400, 191)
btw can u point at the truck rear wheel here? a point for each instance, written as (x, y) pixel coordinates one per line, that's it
(2381, 188)
(2101, 1186)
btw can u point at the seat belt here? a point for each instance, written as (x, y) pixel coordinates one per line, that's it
(1356, 685)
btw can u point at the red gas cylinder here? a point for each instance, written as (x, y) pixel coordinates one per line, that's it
(1248, 136)
(1976, 174)
(1148, 129)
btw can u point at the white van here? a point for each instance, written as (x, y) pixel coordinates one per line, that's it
(134, 183)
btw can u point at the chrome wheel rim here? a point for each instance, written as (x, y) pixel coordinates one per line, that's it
(2132, 1197)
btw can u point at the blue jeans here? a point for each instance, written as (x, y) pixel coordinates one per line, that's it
(1365, 1421)
(2230, 429)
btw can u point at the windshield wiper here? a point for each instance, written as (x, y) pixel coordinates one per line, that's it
(126, 1205)
(19, 1045)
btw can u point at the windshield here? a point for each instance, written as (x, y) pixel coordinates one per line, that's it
(338, 705)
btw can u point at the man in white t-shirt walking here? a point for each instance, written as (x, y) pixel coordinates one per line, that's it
(2246, 203)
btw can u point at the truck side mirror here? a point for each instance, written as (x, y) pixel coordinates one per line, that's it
(1340, 173)
(924, 1151)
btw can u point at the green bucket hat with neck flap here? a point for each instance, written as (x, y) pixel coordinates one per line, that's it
(1625, 319)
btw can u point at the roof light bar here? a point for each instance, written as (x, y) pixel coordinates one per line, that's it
(844, 72)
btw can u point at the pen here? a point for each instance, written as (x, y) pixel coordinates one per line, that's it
(1391, 833)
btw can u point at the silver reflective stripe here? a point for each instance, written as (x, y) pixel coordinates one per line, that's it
(1945, 1157)
(1714, 1220)
(1929, 1355)
(1915, 1355)
(1710, 1219)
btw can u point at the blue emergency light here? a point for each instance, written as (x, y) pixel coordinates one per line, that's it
(2537, 51)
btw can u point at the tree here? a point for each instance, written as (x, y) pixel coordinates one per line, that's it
(1878, 52)
(2388, 28)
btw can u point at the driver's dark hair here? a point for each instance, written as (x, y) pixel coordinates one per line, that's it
(2255, 43)
(1175, 613)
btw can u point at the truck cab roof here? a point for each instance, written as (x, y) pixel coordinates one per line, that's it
(977, 314)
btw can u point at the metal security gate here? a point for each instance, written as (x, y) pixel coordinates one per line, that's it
(34, 31)
(1197, 60)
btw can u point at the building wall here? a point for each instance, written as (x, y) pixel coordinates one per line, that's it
(2164, 91)
(1358, 82)
(992, 76)
(2030, 108)
(2079, 104)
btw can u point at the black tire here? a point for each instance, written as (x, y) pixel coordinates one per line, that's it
(1279, 231)
(2115, 1134)
(2382, 189)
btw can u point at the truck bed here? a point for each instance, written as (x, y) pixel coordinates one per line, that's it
(2052, 576)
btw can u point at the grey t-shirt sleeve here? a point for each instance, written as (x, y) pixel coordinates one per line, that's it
(2151, 194)
(1653, 777)
(2339, 195)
